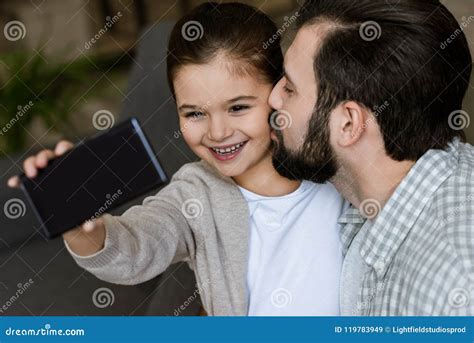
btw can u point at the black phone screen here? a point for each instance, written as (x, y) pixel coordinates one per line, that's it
(96, 176)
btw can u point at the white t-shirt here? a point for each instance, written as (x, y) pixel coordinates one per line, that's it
(295, 254)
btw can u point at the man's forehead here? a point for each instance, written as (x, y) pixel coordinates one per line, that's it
(309, 38)
(303, 47)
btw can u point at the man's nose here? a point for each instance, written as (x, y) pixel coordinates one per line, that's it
(275, 100)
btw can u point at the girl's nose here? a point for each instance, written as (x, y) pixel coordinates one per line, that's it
(218, 130)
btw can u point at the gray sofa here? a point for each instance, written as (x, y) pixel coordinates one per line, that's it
(59, 286)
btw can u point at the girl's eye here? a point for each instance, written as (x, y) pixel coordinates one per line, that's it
(239, 108)
(195, 115)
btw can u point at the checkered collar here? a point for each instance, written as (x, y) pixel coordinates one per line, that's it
(384, 235)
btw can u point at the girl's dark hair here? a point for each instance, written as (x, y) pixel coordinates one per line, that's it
(239, 31)
(409, 58)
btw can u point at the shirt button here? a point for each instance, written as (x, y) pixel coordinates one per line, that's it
(379, 265)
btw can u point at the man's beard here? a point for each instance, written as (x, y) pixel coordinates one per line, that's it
(314, 160)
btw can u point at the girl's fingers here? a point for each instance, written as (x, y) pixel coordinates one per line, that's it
(43, 157)
(62, 147)
(40, 161)
(14, 182)
(29, 166)
(33, 163)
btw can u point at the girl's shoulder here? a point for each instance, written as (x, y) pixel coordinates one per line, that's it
(199, 181)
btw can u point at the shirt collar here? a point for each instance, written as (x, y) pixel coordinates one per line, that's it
(351, 222)
(389, 229)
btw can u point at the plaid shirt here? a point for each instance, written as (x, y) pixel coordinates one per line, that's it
(419, 250)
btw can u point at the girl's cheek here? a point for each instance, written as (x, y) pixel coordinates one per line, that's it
(258, 126)
(190, 138)
(194, 144)
(193, 134)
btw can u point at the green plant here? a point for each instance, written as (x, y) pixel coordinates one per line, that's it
(33, 87)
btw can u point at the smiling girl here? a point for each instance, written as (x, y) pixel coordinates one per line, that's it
(259, 244)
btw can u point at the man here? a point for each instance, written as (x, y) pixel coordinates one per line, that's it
(375, 89)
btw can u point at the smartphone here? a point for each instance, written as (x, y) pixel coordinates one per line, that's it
(97, 175)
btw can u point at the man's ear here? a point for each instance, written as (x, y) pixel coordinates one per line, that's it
(350, 121)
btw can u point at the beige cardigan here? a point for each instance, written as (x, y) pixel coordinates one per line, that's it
(201, 218)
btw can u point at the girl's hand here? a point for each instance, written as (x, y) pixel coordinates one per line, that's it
(39, 161)
(84, 240)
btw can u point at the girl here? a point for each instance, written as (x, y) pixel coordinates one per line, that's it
(258, 243)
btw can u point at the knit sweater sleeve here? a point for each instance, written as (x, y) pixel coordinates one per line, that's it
(142, 242)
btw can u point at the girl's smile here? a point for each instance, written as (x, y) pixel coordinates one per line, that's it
(227, 152)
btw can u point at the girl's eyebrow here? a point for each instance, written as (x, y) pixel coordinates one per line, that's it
(186, 106)
(239, 98)
(242, 97)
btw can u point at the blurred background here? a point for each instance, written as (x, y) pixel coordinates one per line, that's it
(61, 62)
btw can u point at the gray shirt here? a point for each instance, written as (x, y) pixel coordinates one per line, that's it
(353, 270)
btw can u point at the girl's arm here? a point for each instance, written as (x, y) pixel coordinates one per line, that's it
(134, 247)
(141, 243)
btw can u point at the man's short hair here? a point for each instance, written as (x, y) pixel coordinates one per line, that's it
(406, 60)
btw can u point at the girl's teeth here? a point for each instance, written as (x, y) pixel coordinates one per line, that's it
(227, 150)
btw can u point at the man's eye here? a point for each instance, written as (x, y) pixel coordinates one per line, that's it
(287, 90)
(194, 114)
(239, 108)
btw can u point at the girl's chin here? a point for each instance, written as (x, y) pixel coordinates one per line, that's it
(231, 170)
(227, 168)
